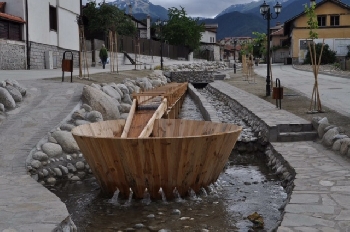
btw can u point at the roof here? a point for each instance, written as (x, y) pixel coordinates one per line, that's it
(287, 24)
(12, 18)
(278, 32)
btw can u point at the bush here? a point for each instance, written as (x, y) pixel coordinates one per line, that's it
(328, 56)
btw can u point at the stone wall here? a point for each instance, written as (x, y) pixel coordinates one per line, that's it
(37, 56)
(12, 55)
(192, 76)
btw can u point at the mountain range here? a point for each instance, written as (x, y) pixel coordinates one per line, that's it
(236, 20)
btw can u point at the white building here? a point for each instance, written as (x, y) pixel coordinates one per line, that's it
(209, 49)
(49, 28)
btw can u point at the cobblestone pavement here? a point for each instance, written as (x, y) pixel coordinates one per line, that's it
(26, 205)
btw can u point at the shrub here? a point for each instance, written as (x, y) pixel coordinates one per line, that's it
(328, 56)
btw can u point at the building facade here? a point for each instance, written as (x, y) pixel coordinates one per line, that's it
(49, 28)
(333, 27)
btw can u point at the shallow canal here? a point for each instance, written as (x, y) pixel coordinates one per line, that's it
(246, 186)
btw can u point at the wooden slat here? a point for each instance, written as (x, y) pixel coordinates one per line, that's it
(129, 119)
(157, 115)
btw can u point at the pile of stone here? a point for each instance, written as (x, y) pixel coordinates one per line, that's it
(332, 136)
(58, 156)
(202, 66)
(11, 93)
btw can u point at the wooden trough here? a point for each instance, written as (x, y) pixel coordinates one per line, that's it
(182, 153)
(167, 153)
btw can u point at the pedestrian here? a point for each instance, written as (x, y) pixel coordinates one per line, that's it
(103, 55)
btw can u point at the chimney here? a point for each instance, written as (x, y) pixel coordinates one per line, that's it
(130, 10)
(148, 27)
(278, 23)
(2, 7)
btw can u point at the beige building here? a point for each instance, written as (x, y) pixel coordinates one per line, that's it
(334, 27)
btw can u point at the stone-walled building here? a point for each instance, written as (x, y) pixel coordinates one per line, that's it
(209, 48)
(34, 34)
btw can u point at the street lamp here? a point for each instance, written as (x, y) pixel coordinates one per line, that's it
(265, 11)
(161, 24)
(234, 56)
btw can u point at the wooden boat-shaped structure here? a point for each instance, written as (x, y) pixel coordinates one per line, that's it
(157, 153)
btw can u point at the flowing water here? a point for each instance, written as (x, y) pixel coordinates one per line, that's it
(241, 190)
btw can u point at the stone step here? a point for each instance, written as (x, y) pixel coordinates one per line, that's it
(297, 136)
(295, 127)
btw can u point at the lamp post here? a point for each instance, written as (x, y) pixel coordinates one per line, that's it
(234, 56)
(265, 11)
(161, 24)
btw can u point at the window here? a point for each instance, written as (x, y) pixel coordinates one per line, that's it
(334, 20)
(321, 20)
(10, 30)
(53, 18)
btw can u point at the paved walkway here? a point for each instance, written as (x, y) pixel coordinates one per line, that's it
(25, 205)
(320, 200)
(334, 91)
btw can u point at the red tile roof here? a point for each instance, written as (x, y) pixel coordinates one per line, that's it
(11, 18)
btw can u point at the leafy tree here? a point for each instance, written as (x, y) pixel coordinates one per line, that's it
(103, 17)
(260, 42)
(328, 56)
(182, 30)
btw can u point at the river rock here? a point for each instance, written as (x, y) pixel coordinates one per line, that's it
(67, 127)
(124, 116)
(124, 89)
(344, 147)
(51, 181)
(96, 86)
(52, 149)
(71, 167)
(79, 114)
(115, 86)
(323, 123)
(86, 107)
(41, 156)
(336, 145)
(101, 102)
(58, 172)
(156, 83)
(124, 108)
(16, 95)
(63, 169)
(144, 83)
(35, 164)
(328, 137)
(20, 88)
(110, 91)
(6, 99)
(81, 122)
(126, 99)
(80, 165)
(66, 140)
(94, 116)
(2, 107)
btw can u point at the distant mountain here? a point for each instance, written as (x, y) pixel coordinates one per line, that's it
(237, 24)
(142, 8)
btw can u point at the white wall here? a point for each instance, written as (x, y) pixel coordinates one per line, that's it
(15, 7)
(207, 35)
(67, 34)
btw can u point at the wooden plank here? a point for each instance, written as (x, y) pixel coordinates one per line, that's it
(129, 119)
(157, 115)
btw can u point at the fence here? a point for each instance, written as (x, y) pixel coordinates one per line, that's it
(149, 47)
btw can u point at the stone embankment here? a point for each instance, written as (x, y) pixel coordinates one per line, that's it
(11, 93)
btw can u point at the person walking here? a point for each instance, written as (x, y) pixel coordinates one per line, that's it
(103, 55)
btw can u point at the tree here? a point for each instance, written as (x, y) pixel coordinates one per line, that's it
(103, 17)
(260, 42)
(315, 105)
(328, 56)
(182, 30)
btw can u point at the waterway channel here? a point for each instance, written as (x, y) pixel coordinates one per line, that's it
(246, 186)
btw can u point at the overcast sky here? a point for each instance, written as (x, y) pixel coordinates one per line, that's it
(196, 8)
